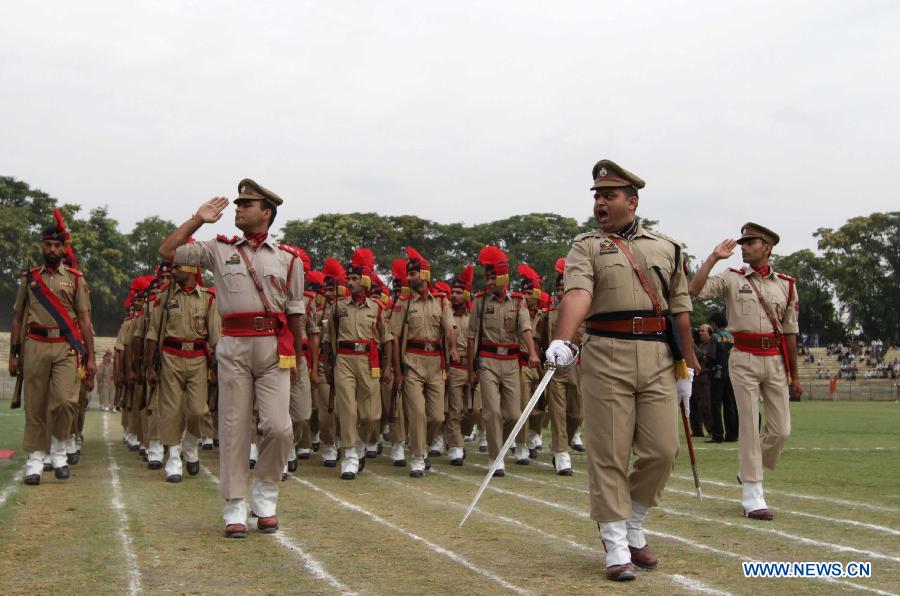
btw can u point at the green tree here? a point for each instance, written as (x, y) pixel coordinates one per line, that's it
(818, 314)
(145, 239)
(862, 260)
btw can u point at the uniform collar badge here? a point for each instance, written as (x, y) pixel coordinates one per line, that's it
(234, 259)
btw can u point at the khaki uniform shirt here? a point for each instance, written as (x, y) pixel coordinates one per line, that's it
(596, 264)
(505, 321)
(355, 322)
(742, 305)
(537, 325)
(69, 287)
(426, 317)
(190, 316)
(122, 334)
(280, 273)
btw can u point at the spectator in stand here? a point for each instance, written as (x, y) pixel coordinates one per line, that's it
(700, 412)
(832, 388)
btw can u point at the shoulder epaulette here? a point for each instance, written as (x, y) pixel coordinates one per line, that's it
(309, 294)
(288, 249)
(663, 236)
(786, 277)
(740, 271)
(592, 233)
(74, 271)
(519, 295)
(479, 294)
(438, 294)
(32, 270)
(226, 239)
(405, 296)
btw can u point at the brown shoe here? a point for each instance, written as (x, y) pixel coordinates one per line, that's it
(235, 531)
(267, 525)
(761, 514)
(643, 558)
(621, 573)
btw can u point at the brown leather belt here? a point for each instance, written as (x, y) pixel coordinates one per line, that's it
(770, 344)
(48, 332)
(257, 323)
(632, 326)
(185, 345)
(501, 350)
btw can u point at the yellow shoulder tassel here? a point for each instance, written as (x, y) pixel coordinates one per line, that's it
(681, 370)
(376, 373)
(287, 361)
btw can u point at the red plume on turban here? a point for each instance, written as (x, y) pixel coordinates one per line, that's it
(398, 270)
(71, 259)
(496, 261)
(442, 286)
(418, 263)
(362, 263)
(561, 265)
(544, 301)
(531, 280)
(58, 231)
(465, 278)
(315, 280)
(334, 272)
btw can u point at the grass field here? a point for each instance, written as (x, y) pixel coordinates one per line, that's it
(117, 527)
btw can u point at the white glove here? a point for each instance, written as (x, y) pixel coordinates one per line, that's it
(683, 386)
(560, 353)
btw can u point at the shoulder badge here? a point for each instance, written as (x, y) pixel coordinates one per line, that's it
(738, 271)
(74, 271)
(591, 234)
(786, 277)
(226, 239)
(479, 294)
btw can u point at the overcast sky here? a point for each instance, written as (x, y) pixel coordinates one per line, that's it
(785, 113)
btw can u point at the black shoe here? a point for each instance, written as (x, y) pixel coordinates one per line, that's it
(348, 476)
(154, 465)
(362, 465)
(739, 479)
(61, 473)
(207, 446)
(434, 453)
(729, 440)
(371, 454)
(400, 463)
(215, 442)
(523, 462)
(482, 448)
(134, 448)
(292, 465)
(329, 463)
(33, 479)
(303, 455)
(713, 440)
(499, 473)
(284, 476)
(427, 464)
(48, 467)
(456, 462)
(144, 456)
(315, 447)
(193, 467)
(578, 448)
(174, 478)
(533, 453)
(252, 463)
(416, 473)
(72, 458)
(379, 448)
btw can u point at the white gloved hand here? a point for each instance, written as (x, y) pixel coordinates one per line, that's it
(558, 352)
(683, 386)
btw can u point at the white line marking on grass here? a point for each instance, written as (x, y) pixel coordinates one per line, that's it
(12, 487)
(459, 559)
(117, 502)
(752, 528)
(773, 491)
(311, 564)
(826, 449)
(685, 582)
(679, 539)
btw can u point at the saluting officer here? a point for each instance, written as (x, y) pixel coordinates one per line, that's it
(761, 308)
(259, 291)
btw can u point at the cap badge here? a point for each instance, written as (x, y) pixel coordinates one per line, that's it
(601, 172)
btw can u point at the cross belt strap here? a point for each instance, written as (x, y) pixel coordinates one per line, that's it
(657, 309)
(776, 327)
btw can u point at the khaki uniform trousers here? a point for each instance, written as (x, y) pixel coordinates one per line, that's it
(51, 386)
(529, 379)
(501, 402)
(396, 429)
(753, 377)
(423, 396)
(182, 395)
(357, 399)
(629, 398)
(458, 404)
(248, 370)
(473, 417)
(84, 398)
(106, 391)
(326, 419)
(564, 405)
(301, 401)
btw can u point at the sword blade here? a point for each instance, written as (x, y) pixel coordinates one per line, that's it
(690, 445)
(510, 439)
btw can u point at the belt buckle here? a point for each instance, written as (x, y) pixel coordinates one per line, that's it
(52, 333)
(187, 346)
(502, 351)
(259, 324)
(430, 348)
(358, 347)
(764, 343)
(634, 329)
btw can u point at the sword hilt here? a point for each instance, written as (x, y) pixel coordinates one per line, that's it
(576, 352)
